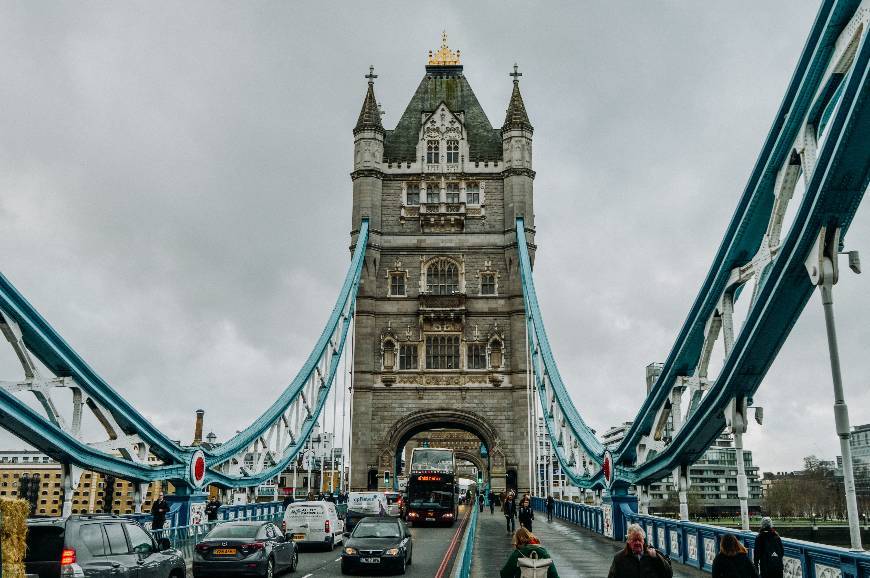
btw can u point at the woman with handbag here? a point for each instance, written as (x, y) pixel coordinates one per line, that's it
(529, 559)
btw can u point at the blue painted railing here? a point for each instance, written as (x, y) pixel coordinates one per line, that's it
(463, 561)
(696, 544)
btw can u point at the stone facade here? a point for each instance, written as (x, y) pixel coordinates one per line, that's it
(440, 332)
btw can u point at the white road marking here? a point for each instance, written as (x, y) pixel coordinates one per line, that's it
(337, 559)
(308, 576)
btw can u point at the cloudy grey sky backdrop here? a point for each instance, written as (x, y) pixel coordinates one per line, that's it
(175, 198)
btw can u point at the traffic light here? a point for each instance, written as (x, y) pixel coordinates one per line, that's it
(479, 478)
(386, 477)
(108, 494)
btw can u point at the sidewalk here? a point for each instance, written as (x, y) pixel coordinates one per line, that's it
(577, 553)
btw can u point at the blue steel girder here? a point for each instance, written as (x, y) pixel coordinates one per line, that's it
(271, 442)
(835, 176)
(821, 133)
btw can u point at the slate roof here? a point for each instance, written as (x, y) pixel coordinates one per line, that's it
(370, 115)
(447, 84)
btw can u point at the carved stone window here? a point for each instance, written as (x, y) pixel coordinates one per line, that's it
(397, 284)
(433, 195)
(452, 192)
(442, 278)
(487, 283)
(452, 151)
(476, 356)
(433, 152)
(412, 195)
(389, 355)
(495, 354)
(408, 356)
(442, 352)
(472, 193)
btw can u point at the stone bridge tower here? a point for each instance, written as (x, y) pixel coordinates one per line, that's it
(440, 333)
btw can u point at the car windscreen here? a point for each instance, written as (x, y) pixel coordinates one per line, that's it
(44, 543)
(376, 530)
(234, 531)
(430, 496)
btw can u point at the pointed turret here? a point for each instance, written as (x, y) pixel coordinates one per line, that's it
(516, 138)
(370, 115)
(516, 116)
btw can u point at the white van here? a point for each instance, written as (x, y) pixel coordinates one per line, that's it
(313, 523)
(363, 504)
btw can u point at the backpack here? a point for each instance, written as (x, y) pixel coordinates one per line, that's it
(533, 567)
(772, 561)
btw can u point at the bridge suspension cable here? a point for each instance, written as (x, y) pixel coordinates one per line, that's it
(137, 450)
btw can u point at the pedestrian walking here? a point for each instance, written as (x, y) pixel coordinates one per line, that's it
(159, 509)
(526, 514)
(211, 509)
(509, 509)
(528, 559)
(491, 498)
(732, 560)
(768, 551)
(637, 560)
(551, 504)
(480, 501)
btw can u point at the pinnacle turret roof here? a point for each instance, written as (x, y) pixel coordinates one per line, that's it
(370, 115)
(516, 116)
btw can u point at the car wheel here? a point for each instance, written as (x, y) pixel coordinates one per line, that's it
(270, 568)
(330, 545)
(402, 570)
(294, 561)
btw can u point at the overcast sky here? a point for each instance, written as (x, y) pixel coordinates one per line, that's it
(175, 194)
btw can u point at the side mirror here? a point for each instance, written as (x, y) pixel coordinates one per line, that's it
(163, 544)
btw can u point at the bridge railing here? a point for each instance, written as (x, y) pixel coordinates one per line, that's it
(466, 551)
(696, 545)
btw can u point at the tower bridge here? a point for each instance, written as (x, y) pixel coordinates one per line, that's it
(440, 324)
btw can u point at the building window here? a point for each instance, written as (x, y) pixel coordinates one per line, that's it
(476, 356)
(453, 151)
(412, 197)
(432, 152)
(487, 283)
(433, 195)
(407, 357)
(452, 192)
(442, 278)
(442, 352)
(397, 284)
(472, 193)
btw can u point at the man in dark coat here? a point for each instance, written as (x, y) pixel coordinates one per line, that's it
(509, 508)
(159, 509)
(211, 509)
(768, 552)
(635, 561)
(551, 504)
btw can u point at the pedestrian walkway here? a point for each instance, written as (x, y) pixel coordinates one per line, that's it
(577, 553)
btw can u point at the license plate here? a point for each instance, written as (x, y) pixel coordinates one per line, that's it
(430, 519)
(224, 551)
(370, 560)
(298, 536)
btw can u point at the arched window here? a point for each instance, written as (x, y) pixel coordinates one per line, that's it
(453, 151)
(433, 152)
(442, 278)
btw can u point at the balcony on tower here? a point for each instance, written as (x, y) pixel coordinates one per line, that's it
(442, 312)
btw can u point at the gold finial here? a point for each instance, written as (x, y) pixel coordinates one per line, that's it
(444, 56)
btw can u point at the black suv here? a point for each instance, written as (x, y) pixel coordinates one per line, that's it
(98, 546)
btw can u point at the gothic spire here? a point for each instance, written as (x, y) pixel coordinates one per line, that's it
(516, 116)
(370, 115)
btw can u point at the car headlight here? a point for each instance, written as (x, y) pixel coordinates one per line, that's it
(391, 552)
(351, 551)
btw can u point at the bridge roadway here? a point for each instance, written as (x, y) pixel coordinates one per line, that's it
(430, 549)
(576, 552)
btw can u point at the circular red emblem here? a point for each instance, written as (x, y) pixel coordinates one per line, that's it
(197, 468)
(607, 467)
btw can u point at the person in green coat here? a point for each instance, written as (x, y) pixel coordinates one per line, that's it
(525, 543)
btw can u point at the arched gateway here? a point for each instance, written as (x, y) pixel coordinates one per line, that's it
(440, 333)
